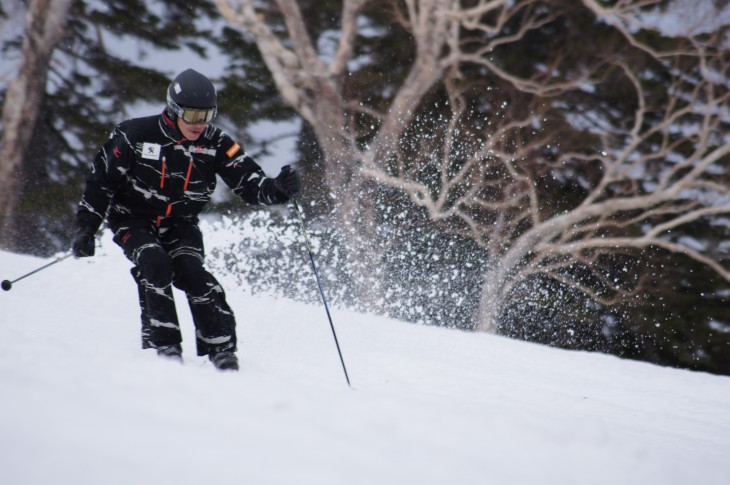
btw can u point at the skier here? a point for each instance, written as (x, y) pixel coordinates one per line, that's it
(150, 181)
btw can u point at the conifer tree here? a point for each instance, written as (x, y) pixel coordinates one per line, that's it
(98, 75)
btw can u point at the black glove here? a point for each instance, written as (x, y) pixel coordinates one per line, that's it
(287, 182)
(83, 245)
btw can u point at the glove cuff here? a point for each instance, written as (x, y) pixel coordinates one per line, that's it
(279, 192)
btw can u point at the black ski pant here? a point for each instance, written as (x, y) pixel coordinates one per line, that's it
(174, 256)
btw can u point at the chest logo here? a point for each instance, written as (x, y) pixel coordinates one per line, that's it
(151, 151)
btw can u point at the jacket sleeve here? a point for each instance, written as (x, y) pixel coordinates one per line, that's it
(108, 171)
(244, 176)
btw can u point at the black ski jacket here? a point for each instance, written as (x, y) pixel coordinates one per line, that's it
(148, 171)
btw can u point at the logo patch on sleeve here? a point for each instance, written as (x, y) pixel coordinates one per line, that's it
(151, 151)
(233, 150)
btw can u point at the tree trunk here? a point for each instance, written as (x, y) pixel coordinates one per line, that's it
(45, 27)
(490, 303)
(356, 205)
(498, 280)
(505, 271)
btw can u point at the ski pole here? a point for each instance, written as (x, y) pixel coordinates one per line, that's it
(7, 284)
(319, 284)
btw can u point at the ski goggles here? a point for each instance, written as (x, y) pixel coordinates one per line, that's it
(193, 116)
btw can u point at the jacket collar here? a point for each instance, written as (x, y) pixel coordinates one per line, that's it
(168, 123)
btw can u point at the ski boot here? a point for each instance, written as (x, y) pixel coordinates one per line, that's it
(172, 352)
(224, 360)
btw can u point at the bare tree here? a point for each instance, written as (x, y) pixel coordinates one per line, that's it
(667, 168)
(45, 26)
(315, 87)
(640, 178)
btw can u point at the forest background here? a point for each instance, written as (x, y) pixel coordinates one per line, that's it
(550, 170)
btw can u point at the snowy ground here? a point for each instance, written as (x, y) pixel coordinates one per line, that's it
(82, 404)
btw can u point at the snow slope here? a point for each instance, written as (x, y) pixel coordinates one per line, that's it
(80, 403)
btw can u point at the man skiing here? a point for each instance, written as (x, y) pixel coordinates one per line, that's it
(150, 181)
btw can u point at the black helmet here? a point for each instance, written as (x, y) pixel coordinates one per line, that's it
(192, 97)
